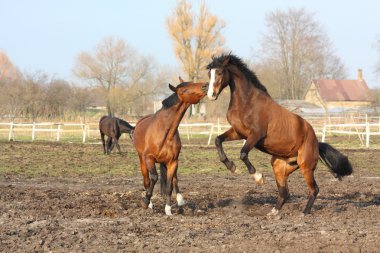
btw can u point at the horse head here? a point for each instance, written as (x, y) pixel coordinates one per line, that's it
(219, 75)
(189, 92)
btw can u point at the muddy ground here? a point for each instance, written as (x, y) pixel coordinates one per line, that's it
(72, 198)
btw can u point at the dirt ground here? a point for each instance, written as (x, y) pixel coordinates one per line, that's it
(75, 206)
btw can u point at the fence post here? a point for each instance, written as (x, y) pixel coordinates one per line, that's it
(11, 132)
(324, 132)
(218, 129)
(210, 135)
(58, 131)
(88, 131)
(33, 130)
(84, 133)
(367, 132)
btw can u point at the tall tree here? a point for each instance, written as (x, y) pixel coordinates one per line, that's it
(112, 63)
(296, 49)
(195, 37)
(7, 69)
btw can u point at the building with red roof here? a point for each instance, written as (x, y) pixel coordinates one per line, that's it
(346, 94)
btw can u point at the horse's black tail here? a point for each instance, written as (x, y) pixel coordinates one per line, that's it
(337, 162)
(163, 178)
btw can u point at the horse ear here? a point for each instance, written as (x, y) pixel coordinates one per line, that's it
(181, 80)
(174, 89)
(226, 60)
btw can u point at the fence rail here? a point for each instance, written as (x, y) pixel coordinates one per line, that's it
(364, 129)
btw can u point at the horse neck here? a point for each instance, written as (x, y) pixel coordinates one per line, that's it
(172, 117)
(242, 90)
(124, 127)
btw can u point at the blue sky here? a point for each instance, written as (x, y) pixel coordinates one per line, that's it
(47, 35)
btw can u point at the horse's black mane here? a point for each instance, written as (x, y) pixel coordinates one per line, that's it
(218, 62)
(172, 99)
(125, 124)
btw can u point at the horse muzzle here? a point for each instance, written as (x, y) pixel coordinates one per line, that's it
(212, 96)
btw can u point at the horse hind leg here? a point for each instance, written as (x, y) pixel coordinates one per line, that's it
(103, 142)
(282, 169)
(108, 145)
(116, 141)
(308, 174)
(308, 165)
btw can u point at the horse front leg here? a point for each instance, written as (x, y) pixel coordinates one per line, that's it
(229, 135)
(171, 171)
(150, 175)
(248, 146)
(180, 199)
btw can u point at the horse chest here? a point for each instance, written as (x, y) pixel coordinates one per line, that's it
(238, 123)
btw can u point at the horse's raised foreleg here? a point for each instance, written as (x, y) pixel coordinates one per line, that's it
(171, 171)
(103, 142)
(229, 135)
(248, 146)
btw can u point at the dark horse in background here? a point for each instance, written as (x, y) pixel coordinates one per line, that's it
(266, 126)
(156, 139)
(112, 127)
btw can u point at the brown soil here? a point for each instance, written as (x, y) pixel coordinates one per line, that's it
(224, 212)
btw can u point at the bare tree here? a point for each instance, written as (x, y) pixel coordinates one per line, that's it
(33, 98)
(81, 98)
(57, 98)
(195, 38)
(296, 50)
(106, 67)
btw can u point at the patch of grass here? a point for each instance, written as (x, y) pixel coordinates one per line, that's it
(54, 159)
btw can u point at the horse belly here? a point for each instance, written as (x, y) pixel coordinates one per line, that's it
(282, 147)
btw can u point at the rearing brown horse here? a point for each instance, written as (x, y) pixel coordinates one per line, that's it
(265, 125)
(156, 139)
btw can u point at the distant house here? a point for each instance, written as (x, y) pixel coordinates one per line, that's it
(344, 94)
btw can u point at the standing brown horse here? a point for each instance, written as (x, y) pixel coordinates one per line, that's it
(266, 126)
(156, 139)
(113, 127)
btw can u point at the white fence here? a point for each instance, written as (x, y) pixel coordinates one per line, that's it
(54, 130)
(363, 129)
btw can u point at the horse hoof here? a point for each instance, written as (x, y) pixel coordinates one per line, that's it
(168, 210)
(259, 178)
(145, 203)
(231, 166)
(180, 200)
(273, 212)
